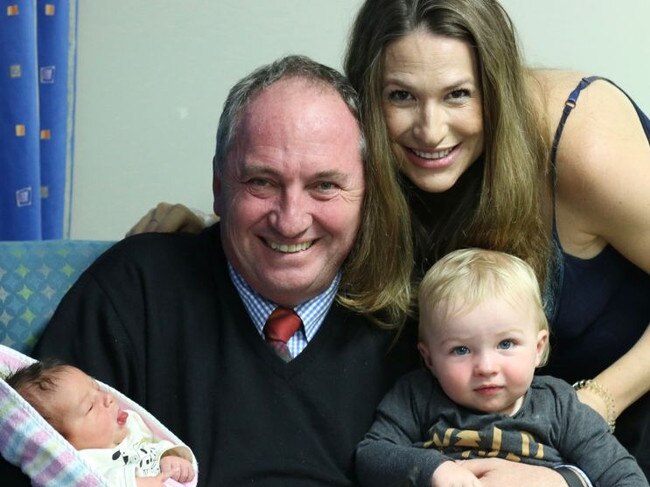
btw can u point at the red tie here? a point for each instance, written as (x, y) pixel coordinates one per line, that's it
(281, 326)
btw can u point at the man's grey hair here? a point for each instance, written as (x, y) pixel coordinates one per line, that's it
(241, 95)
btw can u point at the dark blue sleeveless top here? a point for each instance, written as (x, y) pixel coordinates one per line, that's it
(599, 307)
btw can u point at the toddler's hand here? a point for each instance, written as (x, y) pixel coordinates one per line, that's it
(177, 468)
(451, 474)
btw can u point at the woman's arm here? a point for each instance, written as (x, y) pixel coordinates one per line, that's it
(603, 197)
(626, 380)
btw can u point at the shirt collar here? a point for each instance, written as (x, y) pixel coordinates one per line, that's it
(311, 312)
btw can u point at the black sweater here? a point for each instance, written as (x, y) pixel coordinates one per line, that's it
(158, 318)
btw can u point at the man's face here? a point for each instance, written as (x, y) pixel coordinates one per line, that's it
(291, 191)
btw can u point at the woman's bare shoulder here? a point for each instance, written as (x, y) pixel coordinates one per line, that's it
(550, 89)
(603, 169)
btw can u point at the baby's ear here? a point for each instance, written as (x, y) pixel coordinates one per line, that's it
(426, 355)
(542, 348)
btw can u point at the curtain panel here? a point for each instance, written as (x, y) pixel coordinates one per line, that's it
(37, 86)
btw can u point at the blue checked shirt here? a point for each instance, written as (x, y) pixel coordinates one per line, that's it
(312, 312)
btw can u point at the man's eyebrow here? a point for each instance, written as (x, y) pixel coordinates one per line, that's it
(260, 169)
(248, 169)
(337, 175)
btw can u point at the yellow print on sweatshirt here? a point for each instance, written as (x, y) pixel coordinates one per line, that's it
(487, 443)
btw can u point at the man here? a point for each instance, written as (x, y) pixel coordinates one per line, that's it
(177, 322)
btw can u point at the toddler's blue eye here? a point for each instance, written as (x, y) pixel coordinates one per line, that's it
(461, 350)
(506, 344)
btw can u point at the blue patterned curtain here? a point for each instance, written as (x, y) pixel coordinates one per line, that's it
(37, 59)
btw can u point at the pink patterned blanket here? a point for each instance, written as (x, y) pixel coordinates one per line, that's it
(28, 441)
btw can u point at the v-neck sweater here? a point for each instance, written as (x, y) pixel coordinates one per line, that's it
(158, 317)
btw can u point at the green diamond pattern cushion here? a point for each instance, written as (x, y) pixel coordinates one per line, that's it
(34, 276)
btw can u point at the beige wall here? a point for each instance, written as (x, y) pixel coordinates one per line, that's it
(604, 37)
(152, 76)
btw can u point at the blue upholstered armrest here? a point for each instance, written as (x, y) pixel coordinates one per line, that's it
(34, 276)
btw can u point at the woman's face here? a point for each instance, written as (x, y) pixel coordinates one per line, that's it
(432, 103)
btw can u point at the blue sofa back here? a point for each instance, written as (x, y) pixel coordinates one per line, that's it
(34, 276)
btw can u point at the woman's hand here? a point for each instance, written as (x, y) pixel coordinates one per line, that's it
(168, 218)
(497, 472)
(452, 474)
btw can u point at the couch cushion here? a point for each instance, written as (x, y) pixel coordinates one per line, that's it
(34, 276)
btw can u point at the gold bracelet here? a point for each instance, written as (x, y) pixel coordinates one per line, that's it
(604, 395)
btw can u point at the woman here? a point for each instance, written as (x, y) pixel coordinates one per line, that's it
(493, 155)
(494, 161)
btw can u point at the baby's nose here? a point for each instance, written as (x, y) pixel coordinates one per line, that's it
(108, 399)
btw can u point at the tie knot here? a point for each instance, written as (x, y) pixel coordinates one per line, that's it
(282, 324)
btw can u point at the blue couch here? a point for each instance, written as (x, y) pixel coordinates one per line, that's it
(34, 276)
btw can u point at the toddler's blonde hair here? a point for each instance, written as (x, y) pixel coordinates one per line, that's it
(464, 278)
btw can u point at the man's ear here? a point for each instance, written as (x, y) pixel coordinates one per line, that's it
(216, 189)
(426, 355)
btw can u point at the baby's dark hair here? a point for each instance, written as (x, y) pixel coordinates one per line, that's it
(31, 381)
